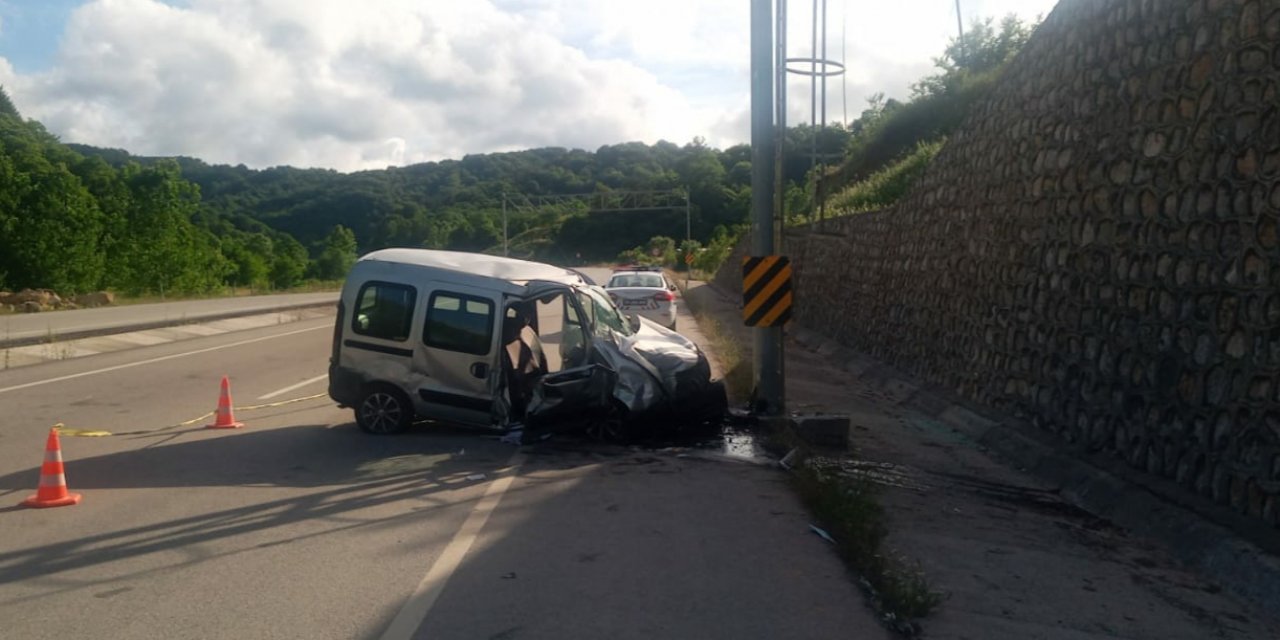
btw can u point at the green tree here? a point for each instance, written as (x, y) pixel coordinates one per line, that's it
(247, 266)
(982, 49)
(7, 108)
(289, 264)
(337, 254)
(52, 227)
(161, 250)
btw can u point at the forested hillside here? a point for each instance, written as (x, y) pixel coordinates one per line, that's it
(78, 218)
(457, 204)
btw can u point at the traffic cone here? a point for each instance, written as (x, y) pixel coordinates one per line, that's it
(52, 491)
(224, 418)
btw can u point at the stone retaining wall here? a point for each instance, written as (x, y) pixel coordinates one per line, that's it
(1097, 249)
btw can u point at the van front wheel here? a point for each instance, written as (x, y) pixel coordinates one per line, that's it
(383, 410)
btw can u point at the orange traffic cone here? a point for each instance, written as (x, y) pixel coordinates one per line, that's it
(224, 418)
(52, 491)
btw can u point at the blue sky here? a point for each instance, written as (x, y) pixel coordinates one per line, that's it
(352, 84)
(30, 30)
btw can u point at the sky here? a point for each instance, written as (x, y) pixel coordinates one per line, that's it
(366, 84)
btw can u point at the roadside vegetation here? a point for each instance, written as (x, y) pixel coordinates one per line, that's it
(892, 142)
(77, 218)
(845, 506)
(848, 509)
(661, 251)
(887, 185)
(729, 352)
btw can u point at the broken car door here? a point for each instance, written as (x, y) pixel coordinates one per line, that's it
(578, 390)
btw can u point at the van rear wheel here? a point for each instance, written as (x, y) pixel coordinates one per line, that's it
(384, 410)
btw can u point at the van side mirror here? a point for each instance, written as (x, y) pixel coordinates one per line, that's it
(634, 322)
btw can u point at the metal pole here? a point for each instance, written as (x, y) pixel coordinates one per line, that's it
(780, 62)
(813, 90)
(504, 225)
(960, 35)
(817, 195)
(688, 239)
(824, 64)
(844, 82)
(767, 354)
(688, 225)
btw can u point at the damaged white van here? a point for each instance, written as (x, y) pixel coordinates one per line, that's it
(503, 343)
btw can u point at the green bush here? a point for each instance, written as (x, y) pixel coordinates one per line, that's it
(888, 185)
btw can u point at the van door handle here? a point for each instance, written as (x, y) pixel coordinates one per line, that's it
(480, 370)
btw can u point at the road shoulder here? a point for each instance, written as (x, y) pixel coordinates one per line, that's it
(1013, 557)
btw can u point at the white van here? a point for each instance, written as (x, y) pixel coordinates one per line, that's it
(497, 342)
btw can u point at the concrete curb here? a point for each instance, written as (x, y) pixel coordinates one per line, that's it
(160, 324)
(1241, 555)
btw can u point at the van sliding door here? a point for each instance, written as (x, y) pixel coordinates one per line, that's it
(457, 354)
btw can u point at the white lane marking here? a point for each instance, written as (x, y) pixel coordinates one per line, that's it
(292, 387)
(154, 360)
(424, 597)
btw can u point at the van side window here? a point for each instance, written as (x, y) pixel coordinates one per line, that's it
(385, 311)
(459, 322)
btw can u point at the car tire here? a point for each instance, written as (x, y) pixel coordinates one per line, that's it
(383, 410)
(611, 427)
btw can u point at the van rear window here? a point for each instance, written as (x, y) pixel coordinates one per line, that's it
(458, 322)
(384, 310)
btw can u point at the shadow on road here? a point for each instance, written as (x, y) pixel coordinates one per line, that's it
(347, 472)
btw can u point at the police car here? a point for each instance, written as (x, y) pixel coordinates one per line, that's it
(644, 291)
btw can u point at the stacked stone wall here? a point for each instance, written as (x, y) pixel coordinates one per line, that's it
(1097, 249)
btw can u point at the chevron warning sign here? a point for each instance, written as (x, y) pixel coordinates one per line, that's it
(766, 291)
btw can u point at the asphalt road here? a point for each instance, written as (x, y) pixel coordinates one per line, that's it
(299, 525)
(25, 326)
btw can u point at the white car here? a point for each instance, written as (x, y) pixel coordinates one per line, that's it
(644, 292)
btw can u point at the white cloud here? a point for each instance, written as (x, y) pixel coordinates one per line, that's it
(349, 85)
(335, 84)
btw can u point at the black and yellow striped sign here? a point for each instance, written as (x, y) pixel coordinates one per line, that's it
(766, 291)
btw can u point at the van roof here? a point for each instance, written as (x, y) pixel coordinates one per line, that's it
(476, 264)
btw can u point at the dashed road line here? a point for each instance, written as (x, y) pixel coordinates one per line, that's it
(292, 387)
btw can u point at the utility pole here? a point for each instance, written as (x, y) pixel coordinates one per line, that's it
(767, 354)
(959, 35)
(780, 116)
(504, 226)
(813, 94)
(688, 224)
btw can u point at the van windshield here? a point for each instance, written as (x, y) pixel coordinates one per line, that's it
(605, 313)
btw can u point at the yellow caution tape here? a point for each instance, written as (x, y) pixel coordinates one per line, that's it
(98, 433)
(80, 433)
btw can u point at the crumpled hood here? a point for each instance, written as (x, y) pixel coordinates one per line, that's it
(651, 364)
(668, 351)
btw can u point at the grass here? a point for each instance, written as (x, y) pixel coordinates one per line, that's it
(736, 367)
(846, 506)
(887, 185)
(734, 363)
(848, 509)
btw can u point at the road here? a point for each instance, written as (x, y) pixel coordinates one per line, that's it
(299, 525)
(17, 328)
